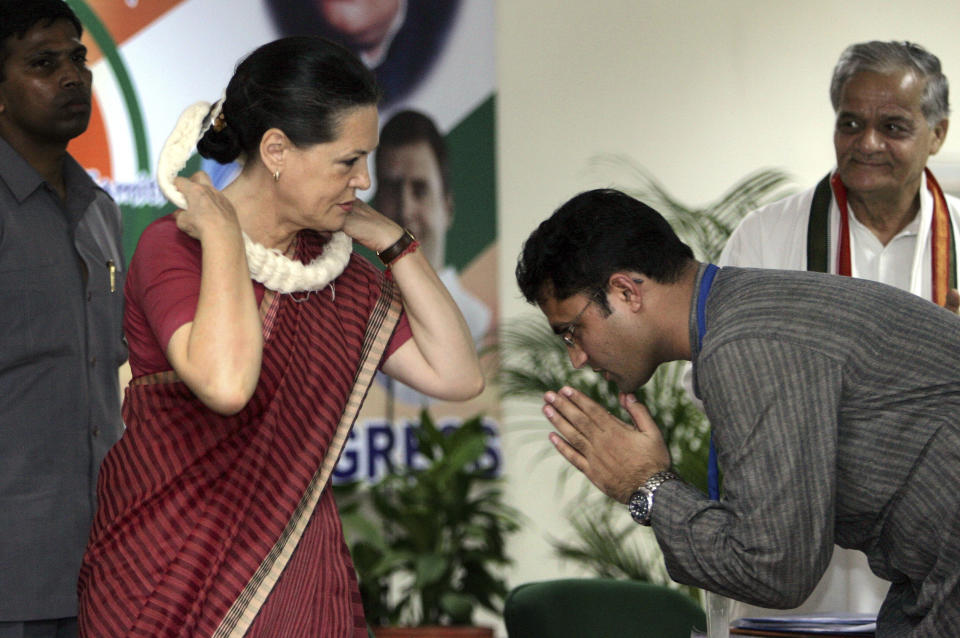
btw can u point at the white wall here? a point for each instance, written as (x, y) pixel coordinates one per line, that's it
(700, 92)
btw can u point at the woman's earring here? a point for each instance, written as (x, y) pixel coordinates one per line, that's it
(276, 175)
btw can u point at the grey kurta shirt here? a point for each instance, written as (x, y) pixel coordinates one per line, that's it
(61, 341)
(835, 404)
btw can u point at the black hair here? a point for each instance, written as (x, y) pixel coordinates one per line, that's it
(300, 85)
(411, 127)
(19, 16)
(594, 235)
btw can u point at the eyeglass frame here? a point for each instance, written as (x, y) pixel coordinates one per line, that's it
(567, 335)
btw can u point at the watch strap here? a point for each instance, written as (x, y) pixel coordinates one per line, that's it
(390, 254)
(659, 479)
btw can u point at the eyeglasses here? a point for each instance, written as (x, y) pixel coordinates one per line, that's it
(568, 333)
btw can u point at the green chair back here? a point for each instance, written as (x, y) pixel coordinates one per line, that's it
(600, 608)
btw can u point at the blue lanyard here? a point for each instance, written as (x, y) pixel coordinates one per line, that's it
(713, 471)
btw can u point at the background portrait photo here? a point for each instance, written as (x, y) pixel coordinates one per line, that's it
(151, 60)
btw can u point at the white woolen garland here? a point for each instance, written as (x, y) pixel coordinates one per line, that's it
(267, 265)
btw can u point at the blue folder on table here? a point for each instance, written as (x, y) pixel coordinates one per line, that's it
(842, 624)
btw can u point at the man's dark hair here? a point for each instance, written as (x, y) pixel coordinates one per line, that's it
(411, 127)
(592, 236)
(19, 16)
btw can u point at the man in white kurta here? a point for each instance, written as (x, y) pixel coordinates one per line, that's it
(775, 236)
(414, 190)
(891, 104)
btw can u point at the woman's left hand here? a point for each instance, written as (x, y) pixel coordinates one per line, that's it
(441, 359)
(370, 228)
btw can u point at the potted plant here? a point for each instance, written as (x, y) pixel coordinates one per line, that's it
(426, 543)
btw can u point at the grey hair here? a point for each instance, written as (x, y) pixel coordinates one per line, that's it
(887, 57)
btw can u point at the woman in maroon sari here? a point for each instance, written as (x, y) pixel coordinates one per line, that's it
(253, 332)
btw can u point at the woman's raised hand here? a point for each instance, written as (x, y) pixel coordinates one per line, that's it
(207, 208)
(370, 228)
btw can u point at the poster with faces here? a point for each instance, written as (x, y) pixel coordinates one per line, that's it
(434, 60)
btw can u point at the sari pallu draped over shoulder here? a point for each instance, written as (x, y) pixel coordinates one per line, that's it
(220, 526)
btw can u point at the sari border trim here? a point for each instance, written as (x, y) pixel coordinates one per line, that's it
(245, 608)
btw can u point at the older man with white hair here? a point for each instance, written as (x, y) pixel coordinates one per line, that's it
(879, 215)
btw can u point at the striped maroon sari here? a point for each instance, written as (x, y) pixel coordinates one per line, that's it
(220, 526)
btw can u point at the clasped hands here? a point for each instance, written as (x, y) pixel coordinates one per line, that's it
(616, 456)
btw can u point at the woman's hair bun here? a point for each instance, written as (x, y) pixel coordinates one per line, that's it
(222, 146)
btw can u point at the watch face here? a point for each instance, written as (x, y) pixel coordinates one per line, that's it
(639, 507)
